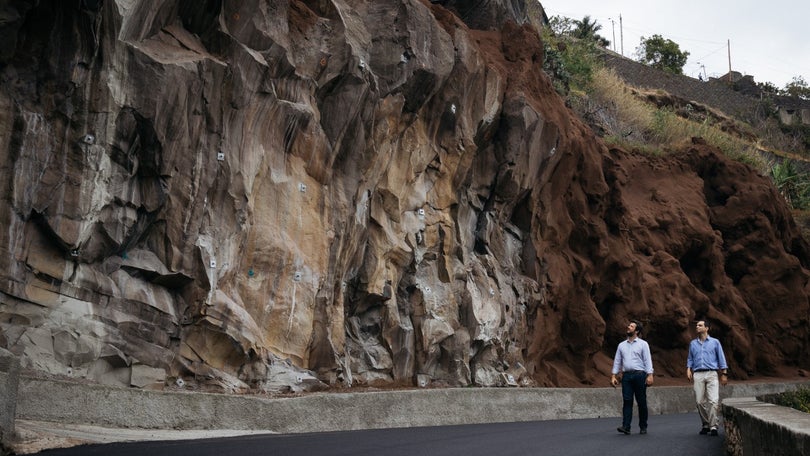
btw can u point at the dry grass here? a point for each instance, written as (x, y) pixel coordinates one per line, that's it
(628, 120)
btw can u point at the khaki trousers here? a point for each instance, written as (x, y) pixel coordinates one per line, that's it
(707, 397)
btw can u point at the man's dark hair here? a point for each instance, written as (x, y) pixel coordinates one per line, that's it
(639, 326)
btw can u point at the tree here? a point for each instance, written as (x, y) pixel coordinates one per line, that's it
(586, 30)
(561, 25)
(798, 88)
(662, 53)
(768, 88)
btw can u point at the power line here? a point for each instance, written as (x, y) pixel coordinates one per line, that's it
(722, 48)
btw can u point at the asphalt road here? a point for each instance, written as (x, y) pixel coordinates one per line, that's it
(668, 435)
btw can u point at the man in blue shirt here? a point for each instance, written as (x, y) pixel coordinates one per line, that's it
(634, 362)
(706, 365)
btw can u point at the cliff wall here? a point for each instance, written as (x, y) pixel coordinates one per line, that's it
(281, 195)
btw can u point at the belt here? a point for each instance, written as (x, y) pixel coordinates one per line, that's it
(702, 370)
(634, 372)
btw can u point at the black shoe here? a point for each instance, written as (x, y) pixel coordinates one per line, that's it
(623, 430)
(643, 431)
(713, 432)
(704, 431)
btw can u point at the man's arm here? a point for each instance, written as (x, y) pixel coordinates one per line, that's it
(648, 364)
(721, 357)
(617, 365)
(690, 362)
(721, 364)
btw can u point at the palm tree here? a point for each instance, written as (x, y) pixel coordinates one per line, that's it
(586, 30)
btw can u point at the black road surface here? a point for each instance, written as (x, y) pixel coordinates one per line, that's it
(668, 435)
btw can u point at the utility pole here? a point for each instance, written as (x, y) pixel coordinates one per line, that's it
(613, 24)
(621, 33)
(729, 61)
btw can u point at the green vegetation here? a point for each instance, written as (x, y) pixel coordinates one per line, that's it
(799, 400)
(793, 184)
(569, 62)
(586, 30)
(662, 53)
(798, 87)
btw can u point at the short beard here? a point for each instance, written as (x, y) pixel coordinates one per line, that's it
(630, 333)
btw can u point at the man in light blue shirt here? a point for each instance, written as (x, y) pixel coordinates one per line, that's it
(704, 366)
(634, 362)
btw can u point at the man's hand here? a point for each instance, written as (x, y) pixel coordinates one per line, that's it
(689, 374)
(723, 378)
(614, 381)
(650, 379)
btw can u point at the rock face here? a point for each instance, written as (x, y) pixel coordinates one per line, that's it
(275, 195)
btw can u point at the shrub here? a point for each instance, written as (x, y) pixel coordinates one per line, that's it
(793, 184)
(799, 399)
(569, 62)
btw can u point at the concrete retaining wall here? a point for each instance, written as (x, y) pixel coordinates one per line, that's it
(9, 377)
(755, 427)
(65, 402)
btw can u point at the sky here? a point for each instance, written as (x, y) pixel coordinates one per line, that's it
(769, 40)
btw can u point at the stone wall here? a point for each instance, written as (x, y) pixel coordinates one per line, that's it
(715, 92)
(754, 427)
(9, 378)
(712, 93)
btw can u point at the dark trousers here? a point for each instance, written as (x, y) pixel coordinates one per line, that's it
(634, 384)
